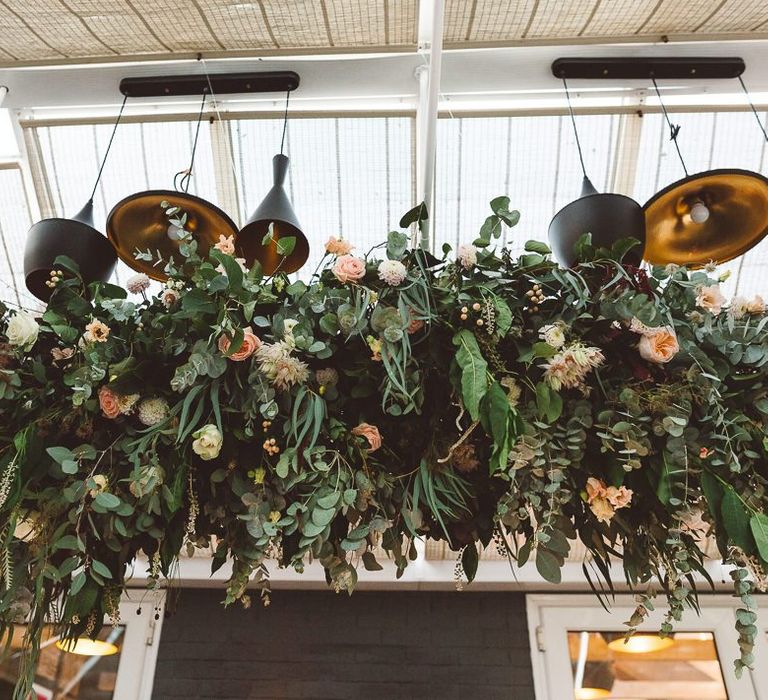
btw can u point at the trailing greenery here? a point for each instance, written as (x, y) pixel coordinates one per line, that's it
(477, 398)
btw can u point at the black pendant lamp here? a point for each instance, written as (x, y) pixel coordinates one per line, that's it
(139, 222)
(607, 217)
(76, 237)
(274, 220)
(716, 215)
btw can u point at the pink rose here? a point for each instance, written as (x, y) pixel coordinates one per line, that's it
(370, 433)
(109, 402)
(659, 345)
(338, 246)
(602, 510)
(348, 268)
(251, 343)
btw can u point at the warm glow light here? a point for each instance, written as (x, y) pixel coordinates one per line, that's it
(591, 693)
(87, 647)
(641, 644)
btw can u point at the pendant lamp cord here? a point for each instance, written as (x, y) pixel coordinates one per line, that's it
(285, 120)
(575, 131)
(186, 175)
(109, 146)
(754, 109)
(674, 129)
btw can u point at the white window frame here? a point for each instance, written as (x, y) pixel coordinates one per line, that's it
(550, 617)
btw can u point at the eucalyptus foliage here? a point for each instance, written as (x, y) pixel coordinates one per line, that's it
(480, 446)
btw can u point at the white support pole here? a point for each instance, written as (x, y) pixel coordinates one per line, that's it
(431, 41)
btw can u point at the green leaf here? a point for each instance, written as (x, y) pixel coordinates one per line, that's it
(285, 245)
(370, 563)
(537, 247)
(758, 523)
(469, 561)
(397, 244)
(548, 565)
(415, 216)
(736, 521)
(106, 500)
(474, 369)
(713, 493)
(101, 569)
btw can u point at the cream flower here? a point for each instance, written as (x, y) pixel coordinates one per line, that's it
(467, 256)
(22, 330)
(208, 442)
(710, 298)
(338, 246)
(659, 345)
(152, 411)
(756, 305)
(392, 272)
(348, 268)
(277, 364)
(60, 355)
(169, 298)
(327, 376)
(96, 332)
(100, 483)
(553, 335)
(370, 433)
(137, 284)
(738, 307)
(127, 402)
(226, 245)
(569, 368)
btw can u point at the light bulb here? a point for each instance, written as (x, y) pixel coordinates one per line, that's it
(699, 213)
(175, 233)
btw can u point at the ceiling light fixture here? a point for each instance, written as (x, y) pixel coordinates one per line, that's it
(607, 217)
(76, 238)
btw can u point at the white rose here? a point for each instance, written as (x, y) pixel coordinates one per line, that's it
(22, 330)
(208, 441)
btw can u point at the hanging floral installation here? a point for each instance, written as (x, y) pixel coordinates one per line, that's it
(478, 398)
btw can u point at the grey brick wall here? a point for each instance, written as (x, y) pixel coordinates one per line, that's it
(383, 645)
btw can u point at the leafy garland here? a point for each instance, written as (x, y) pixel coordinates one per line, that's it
(475, 398)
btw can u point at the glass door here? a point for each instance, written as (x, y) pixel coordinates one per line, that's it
(579, 652)
(118, 665)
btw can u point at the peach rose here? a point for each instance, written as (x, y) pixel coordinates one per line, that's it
(415, 324)
(251, 343)
(659, 345)
(109, 402)
(338, 246)
(370, 433)
(618, 497)
(348, 268)
(226, 244)
(595, 489)
(710, 298)
(756, 306)
(602, 510)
